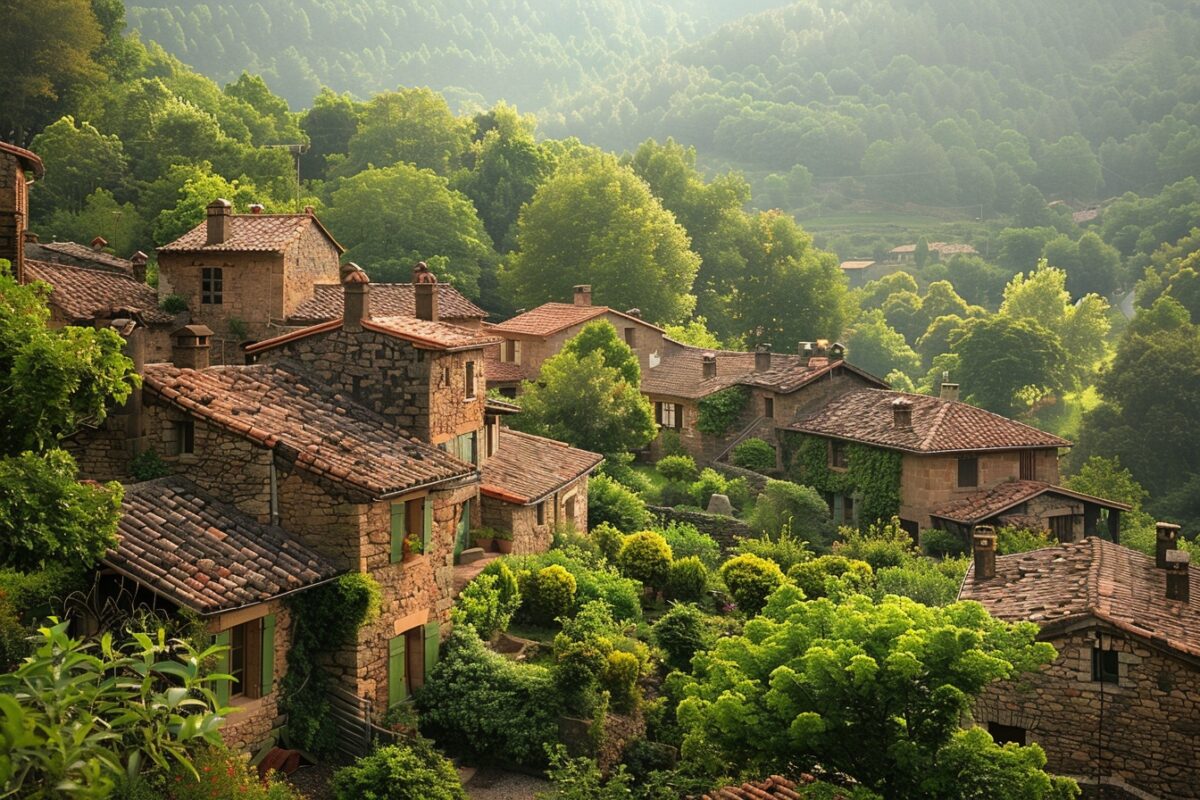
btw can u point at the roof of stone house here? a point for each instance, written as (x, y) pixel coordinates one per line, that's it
(269, 233)
(526, 468)
(495, 406)
(938, 426)
(75, 254)
(1095, 578)
(30, 159)
(423, 334)
(775, 787)
(681, 374)
(550, 318)
(387, 300)
(84, 294)
(979, 506)
(202, 554)
(326, 433)
(498, 371)
(944, 248)
(1087, 215)
(857, 264)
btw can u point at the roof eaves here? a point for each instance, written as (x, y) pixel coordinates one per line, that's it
(291, 336)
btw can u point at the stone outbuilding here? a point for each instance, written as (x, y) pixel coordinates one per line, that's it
(18, 168)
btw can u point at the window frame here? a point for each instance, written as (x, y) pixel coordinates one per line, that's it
(540, 513)
(669, 415)
(1100, 669)
(212, 286)
(769, 407)
(245, 659)
(185, 437)
(1028, 465)
(973, 462)
(839, 454)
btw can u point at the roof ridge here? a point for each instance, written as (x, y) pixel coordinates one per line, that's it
(936, 428)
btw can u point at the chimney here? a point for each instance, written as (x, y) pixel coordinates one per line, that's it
(762, 358)
(984, 541)
(220, 221)
(708, 365)
(949, 391)
(256, 208)
(583, 294)
(99, 243)
(189, 346)
(139, 260)
(1165, 537)
(1178, 581)
(356, 306)
(30, 237)
(902, 414)
(837, 351)
(426, 291)
(636, 313)
(309, 210)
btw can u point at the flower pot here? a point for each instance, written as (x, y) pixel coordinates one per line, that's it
(483, 544)
(408, 556)
(504, 546)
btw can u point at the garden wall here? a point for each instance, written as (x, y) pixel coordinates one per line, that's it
(725, 530)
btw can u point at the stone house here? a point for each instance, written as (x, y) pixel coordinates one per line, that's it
(958, 465)
(1119, 708)
(389, 300)
(907, 253)
(18, 168)
(89, 256)
(864, 270)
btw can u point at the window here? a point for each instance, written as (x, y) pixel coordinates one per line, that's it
(410, 517)
(469, 389)
(1105, 666)
(1028, 465)
(510, 351)
(541, 513)
(491, 437)
(185, 437)
(212, 287)
(848, 511)
(839, 457)
(769, 407)
(968, 472)
(569, 509)
(1003, 734)
(630, 336)
(445, 376)
(250, 659)
(667, 418)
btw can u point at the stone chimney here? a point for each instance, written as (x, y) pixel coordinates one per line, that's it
(837, 351)
(220, 221)
(1178, 581)
(636, 313)
(1165, 537)
(762, 358)
(984, 542)
(190, 345)
(583, 294)
(902, 414)
(426, 291)
(99, 243)
(30, 237)
(356, 305)
(256, 208)
(708, 365)
(949, 391)
(139, 260)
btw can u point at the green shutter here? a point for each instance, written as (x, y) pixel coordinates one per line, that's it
(397, 685)
(427, 528)
(433, 639)
(268, 654)
(397, 532)
(221, 688)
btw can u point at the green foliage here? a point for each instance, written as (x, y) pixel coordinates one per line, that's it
(548, 593)
(682, 632)
(922, 580)
(939, 543)
(879, 348)
(80, 716)
(608, 540)
(786, 549)
(720, 410)
(409, 126)
(704, 487)
(671, 443)
(619, 467)
(399, 772)
(620, 677)
(481, 705)
(872, 474)
(677, 468)
(750, 581)
(1020, 540)
(610, 502)
(832, 576)
(755, 454)
(879, 544)
(594, 580)
(798, 509)
(686, 540)
(645, 557)
(221, 772)
(687, 579)
(581, 779)
(601, 337)
(148, 465)
(27, 597)
(478, 605)
(581, 652)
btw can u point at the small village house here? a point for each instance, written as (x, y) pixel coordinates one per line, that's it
(18, 168)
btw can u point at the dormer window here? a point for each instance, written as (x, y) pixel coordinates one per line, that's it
(212, 286)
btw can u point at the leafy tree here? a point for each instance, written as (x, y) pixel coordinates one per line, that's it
(79, 160)
(694, 332)
(601, 337)
(329, 125)
(610, 502)
(409, 126)
(1069, 167)
(800, 510)
(873, 690)
(936, 339)
(646, 557)
(101, 215)
(681, 633)
(876, 292)
(1005, 363)
(878, 348)
(903, 312)
(750, 581)
(198, 186)
(596, 222)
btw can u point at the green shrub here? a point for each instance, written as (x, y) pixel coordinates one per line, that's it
(1021, 540)
(786, 551)
(581, 653)
(148, 465)
(399, 772)
(687, 579)
(738, 492)
(880, 545)
(222, 772)
(622, 595)
(919, 579)
(578, 545)
(608, 541)
(621, 671)
(709, 483)
(548, 593)
(750, 581)
(173, 304)
(832, 576)
(801, 509)
(939, 543)
(609, 501)
(687, 540)
(507, 586)
(25, 599)
(478, 605)
(677, 468)
(754, 454)
(645, 557)
(675, 493)
(681, 632)
(671, 443)
(619, 467)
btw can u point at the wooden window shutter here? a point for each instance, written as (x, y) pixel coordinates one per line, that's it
(658, 417)
(397, 682)
(433, 638)
(268, 655)
(679, 416)
(397, 532)
(221, 688)
(427, 527)
(516, 351)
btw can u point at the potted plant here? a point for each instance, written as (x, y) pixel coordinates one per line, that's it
(482, 538)
(412, 547)
(504, 541)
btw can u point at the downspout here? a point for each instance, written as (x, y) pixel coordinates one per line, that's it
(274, 510)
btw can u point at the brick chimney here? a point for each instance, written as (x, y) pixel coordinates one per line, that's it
(902, 414)
(984, 541)
(583, 294)
(220, 221)
(708, 365)
(190, 345)
(99, 243)
(762, 358)
(1165, 537)
(356, 305)
(139, 260)
(1178, 581)
(256, 208)
(949, 391)
(426, 291)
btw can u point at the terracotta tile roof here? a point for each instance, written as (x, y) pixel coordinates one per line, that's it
(681, 374)
(775, 787)
(979, 506)
(951, 249)
(526, 468)
(498, 371)
(271, 233)
(549, 318)
(30, 159)
(83, 294)
(423, 334)
(327, 434)
(75, 254)
(1058, 586)
(856, 264)
(205, 555)
(938, 426)
(387, 300)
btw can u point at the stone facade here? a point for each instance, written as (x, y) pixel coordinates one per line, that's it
(14, 208)
(928, 481)
(1141, 732)
(566, 506)
(252, 725)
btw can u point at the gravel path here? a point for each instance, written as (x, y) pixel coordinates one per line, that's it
(495, 784)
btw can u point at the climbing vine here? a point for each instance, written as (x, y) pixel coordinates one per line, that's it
(872, 474)
(721, 409)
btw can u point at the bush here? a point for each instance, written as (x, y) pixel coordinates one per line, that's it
(676, 493)
(487, 707)
(919, 579)
(671, 443)
(687, 579)
(148, 465)
(478, 605)
(677, 468)
(801, 509)
(880, 545)
(832, 576)
(709, 483)
(608, 541)
(25, 599)
(549, 593)
(609, 501)
(581, 652)
(173, 304)
(619, 467)
(621, 671)
(750, 581)
(622, 595)
(221, 772)
(687, 540)
(645, 557)
(939, 543)
(399, 772)
(1021, 540)
(754, 454)
(681, 632)
(507, 586)
(786, 551)
(738, 492)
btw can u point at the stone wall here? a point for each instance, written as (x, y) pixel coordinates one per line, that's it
(726, 530)
(14, 211)
(1142, 732)
(309, 260)
(928, 481)
(528, 535)
(756, 480)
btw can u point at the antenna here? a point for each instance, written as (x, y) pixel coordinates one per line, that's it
(296, 150)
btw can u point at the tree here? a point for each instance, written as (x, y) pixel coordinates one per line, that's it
(79, 160)
(694, 332)
(596, 222)
(409, 126)
(329, 125)
(601, 337)
(101, 215)
(878, 348)
(877, 691)
(1005, 363)
(1069, 168)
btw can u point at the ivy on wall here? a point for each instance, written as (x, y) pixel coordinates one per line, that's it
(721, 409)
(872, 474)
